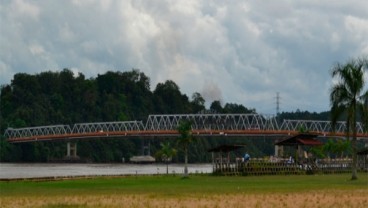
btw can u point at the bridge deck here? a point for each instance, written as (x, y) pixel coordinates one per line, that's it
(165, 125)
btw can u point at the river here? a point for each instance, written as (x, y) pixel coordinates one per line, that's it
(40, 170)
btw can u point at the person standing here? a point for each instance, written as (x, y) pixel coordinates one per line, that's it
(246, 157)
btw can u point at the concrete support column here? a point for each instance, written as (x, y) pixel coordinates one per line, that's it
(279, 151)
(68, 149)
(300, 153)
(71, 150)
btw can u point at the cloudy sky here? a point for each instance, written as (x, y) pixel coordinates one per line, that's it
(236, 51)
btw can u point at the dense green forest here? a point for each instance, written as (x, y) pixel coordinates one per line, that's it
(62, 98)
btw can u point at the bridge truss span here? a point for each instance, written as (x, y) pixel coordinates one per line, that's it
(39, 132)
(119, 126)
(166, 125)
(320, 127)
(209, 122)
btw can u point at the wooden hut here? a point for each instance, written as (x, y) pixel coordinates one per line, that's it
(298, 141)
(222, 162)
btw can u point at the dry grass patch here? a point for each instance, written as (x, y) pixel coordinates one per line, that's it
(198, 191)
(326, 198)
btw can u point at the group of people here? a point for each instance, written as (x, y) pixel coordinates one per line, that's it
(246, 158)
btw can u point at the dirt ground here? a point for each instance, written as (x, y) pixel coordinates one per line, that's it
(331, 198)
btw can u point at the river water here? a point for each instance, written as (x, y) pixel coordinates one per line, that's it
(39, 170)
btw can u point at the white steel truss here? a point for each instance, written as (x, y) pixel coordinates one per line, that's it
(317, 126)
(37, 131)
(119, 126)
(201, 122)
(212, 122)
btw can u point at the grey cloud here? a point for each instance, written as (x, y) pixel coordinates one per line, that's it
(241, 52)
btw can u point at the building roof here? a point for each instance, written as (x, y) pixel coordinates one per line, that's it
(300, 139)
(226, 148)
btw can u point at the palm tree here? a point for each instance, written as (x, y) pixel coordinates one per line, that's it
(166, 153)
(347, 98)
(185, 130)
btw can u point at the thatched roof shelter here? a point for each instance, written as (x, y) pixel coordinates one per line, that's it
(226, 148)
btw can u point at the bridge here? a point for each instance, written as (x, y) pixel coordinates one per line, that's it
(166, 125)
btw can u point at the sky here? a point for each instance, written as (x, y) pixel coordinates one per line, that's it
(240, 52)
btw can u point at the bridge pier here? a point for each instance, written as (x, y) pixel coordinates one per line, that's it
(71, 150)
(279, 151)
(300, 153)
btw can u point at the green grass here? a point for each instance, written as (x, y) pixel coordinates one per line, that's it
(170, 185)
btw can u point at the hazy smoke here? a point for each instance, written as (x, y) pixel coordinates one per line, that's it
(211, 92)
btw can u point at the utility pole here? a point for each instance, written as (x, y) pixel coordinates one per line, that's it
(277, 103)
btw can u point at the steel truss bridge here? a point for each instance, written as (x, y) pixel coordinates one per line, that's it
(166, 126)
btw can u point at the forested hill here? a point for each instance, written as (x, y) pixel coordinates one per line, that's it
(305, 115)
(63, 98)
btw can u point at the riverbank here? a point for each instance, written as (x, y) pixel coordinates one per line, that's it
(18, 171)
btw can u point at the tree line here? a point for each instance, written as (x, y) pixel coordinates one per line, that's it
(63, 97)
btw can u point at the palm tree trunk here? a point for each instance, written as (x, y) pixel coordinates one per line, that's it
(167, 167)
(186, 163)
(354, 175)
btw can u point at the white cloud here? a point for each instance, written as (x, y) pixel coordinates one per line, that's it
(36, 50)
(5, 72)
(66, 34)
(242, 52)
(24, 9)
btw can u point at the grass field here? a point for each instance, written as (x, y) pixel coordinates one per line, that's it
(197, 191)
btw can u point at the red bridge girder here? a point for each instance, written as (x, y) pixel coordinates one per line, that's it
(170, 133)
(165, 125)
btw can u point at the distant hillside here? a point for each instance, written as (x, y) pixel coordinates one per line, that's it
(63, 98)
